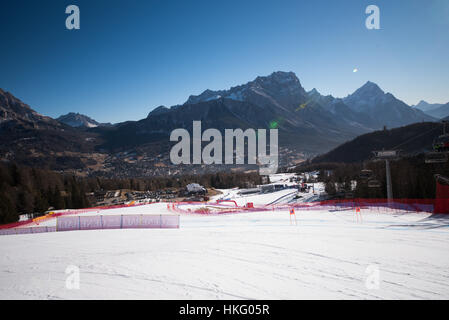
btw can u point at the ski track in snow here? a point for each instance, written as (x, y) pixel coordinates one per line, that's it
(256, 255)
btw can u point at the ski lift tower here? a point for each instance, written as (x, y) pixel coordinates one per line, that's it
(387, 155)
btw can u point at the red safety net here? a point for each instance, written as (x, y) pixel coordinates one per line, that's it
(414, 205)
(442, 198)
(378, 205)
(230, 201)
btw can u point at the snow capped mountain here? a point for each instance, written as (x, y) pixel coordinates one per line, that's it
(280, 89)
(278, 98)
(79, 120)
(311, 121)
(308, 122)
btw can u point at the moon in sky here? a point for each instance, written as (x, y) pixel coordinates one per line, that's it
(355, 70)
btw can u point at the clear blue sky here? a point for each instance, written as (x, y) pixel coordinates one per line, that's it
(132, 56)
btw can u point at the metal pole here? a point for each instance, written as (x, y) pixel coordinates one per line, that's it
(389, 189)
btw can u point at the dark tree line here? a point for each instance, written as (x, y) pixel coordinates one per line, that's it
(34, 191)
(210, 180)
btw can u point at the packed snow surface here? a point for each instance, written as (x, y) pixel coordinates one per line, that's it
(257, 255)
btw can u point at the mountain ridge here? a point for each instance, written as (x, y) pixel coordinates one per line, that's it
(78, 120)
(411, 140)
(309, 123)
(425, 106)
(440, 112)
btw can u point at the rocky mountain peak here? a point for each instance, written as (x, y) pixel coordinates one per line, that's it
(78, 120)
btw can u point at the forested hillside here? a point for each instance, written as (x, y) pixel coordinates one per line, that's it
(31, 190)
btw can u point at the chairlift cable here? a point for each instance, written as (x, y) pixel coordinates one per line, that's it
(414, 138)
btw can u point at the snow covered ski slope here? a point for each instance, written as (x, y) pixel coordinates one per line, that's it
(254, 255)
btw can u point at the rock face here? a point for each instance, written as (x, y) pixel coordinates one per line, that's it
(12, 109)
(280, 89)
(28, 138)
(383, 108)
